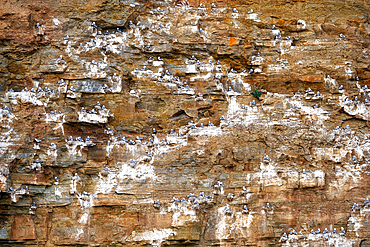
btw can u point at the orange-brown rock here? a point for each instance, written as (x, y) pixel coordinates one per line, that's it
(184, 123)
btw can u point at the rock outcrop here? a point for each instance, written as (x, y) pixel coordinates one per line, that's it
(230, 123)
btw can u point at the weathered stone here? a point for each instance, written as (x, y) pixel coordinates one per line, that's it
(173, 123)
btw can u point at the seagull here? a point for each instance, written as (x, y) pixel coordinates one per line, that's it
(304, 171)
(342, 230)
(235, 10)
(340, 87)
(223, 118)
(268, 205)
(202, 5)
(37, 140)
(227, 210)
(60, 57)
(56, 179)
(266, 158)
(250, 11)
(285, 235)
(66, 37)
(366, 201)
(317, 231)
(213, 5)
(326, 230)
(230, 197)
(342, 36)
(273, 27)
(157, 204)
(175, 200)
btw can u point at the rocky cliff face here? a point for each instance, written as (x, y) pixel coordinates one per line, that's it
(228, 123)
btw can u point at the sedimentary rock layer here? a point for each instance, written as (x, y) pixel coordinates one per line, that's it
(184, 123)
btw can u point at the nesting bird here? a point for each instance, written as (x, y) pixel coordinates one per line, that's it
(157, 204)
(245, 210)
(230, 197)
(266, 159)
(227, 211)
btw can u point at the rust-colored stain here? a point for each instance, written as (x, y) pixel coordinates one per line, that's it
(233, 41)
(311, 78)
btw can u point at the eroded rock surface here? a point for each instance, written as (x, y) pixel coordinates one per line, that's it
(230, 123)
